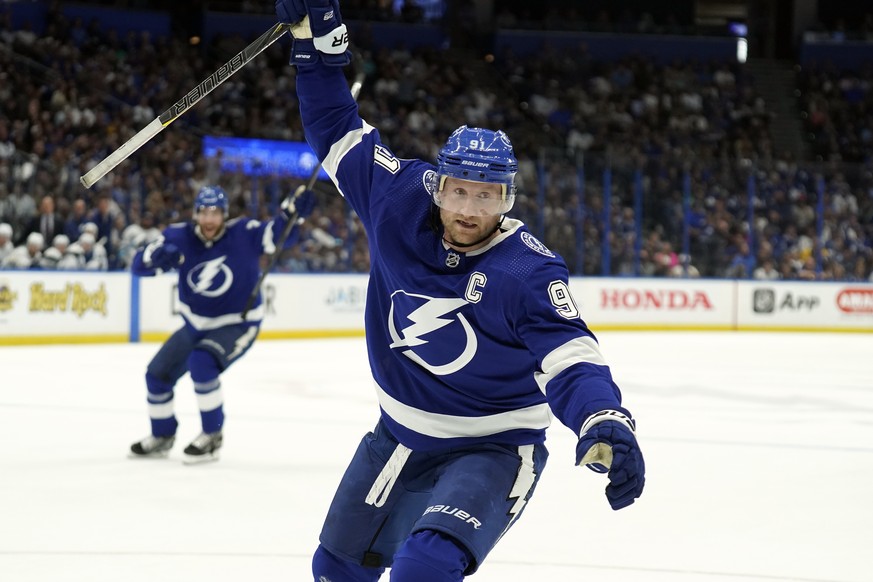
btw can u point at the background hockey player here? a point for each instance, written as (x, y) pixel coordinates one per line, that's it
(27, 255)
(219, 265)
(473, 337)
(6, 245)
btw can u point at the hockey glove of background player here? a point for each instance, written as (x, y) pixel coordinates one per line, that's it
(318, 31)
(297, 208)
(300, 205)
(166, 257)
(608, 444)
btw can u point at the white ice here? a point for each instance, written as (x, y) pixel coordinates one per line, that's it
(759, 450)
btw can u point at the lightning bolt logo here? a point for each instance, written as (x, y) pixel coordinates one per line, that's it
(524, 483)
(202, 277)
(426, 319)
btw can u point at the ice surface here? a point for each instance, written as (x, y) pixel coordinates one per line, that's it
(759, 450)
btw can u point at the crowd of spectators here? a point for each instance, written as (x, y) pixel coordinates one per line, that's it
(838, 105)
(700, 122)
(71, 96)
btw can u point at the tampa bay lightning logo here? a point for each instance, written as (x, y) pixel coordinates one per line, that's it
(431, 331)
(534, 243)
(210, 278)
(430, 181)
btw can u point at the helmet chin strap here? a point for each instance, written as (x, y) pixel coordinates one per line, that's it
(481, 240)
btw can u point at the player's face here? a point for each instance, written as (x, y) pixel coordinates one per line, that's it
(210, 220)
(467, 211)
(471, 198)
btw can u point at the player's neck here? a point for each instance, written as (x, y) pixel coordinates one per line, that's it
(473, 246)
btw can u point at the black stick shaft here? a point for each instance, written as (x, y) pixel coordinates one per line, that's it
(292, 220)
(203, 89)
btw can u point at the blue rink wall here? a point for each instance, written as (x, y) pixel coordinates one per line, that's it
(81, 307)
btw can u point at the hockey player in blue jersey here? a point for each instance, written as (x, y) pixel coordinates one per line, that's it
(219, 265)
(474, 340)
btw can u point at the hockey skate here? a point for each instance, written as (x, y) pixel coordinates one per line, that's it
(152, 446)
(203, 448)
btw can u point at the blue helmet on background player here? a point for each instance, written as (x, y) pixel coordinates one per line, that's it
(211, 196)
(478, 155)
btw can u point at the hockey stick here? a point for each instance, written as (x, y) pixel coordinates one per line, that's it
(292, 220)
(205, 87)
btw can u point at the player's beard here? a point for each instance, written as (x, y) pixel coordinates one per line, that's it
(468, 233)
(212, 231)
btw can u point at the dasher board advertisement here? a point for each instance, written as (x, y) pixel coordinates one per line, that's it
(790, 305)
(612, 303)
(63, 307)
(294, 306)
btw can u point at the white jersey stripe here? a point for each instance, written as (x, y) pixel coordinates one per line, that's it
(446, 426)
(581, 350)
(202, 323)
(267, 239)
(339, 150)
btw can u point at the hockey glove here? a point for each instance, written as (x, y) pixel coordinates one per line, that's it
(166, 257)
(300, 205)
(318, 31)
(608, 445)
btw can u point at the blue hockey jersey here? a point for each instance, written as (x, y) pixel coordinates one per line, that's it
(217, 276)
(464, 347)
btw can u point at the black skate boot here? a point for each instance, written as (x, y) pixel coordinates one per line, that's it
(152, 446)
(203, 448)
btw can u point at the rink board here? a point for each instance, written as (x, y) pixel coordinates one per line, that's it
(70, 307)
(64, 307)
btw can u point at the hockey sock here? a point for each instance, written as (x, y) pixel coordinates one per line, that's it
(160, 405)
(429, 556)
(204, 372)
(326, 566)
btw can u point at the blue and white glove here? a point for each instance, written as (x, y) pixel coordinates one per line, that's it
(318, 31)
(297, 208)
(300, 205)
(165, 257)
(607, 444)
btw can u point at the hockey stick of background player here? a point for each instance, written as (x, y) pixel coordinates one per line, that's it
(205, 87)
(292, 220)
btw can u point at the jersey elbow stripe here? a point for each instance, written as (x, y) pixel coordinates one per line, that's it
(267, 239)
(446, 426)
(581, 350)
(339, 150)
(147, 253)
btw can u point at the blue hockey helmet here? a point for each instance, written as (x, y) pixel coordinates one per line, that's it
(478, 155)
(211, 196)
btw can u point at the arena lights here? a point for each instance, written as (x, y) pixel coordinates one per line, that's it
(741, 31)
(742, 50)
